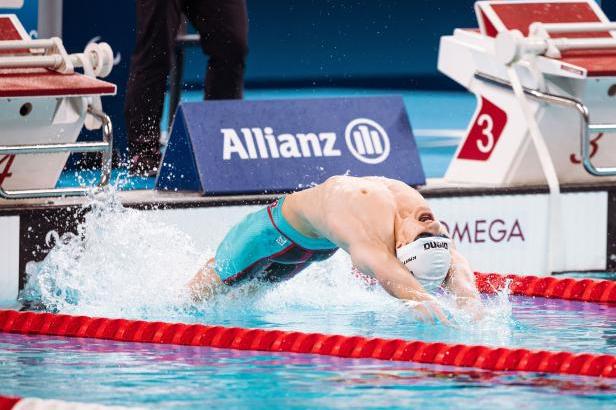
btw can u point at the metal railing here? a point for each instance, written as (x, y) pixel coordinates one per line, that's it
(585, 129)
(106, 147)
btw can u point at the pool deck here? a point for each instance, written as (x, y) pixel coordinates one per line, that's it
(435, 188)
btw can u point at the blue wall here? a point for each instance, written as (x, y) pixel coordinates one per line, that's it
(348, 42)
(609, 6)
(363, 43)
(358, 42)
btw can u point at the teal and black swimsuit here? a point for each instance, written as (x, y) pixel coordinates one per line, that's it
(265, 246)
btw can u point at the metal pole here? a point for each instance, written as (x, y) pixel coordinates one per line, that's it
(49, 18)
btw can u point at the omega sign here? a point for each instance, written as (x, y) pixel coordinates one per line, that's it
(366, 140)
(485, 230)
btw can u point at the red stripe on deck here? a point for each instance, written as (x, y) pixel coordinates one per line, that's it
(8, 30)
(597, 63)
(520, 16)
(40, 82)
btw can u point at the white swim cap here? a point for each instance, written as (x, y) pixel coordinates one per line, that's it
(428, 259)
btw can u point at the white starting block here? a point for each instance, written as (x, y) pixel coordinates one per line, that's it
(44, 105)
(544, 73)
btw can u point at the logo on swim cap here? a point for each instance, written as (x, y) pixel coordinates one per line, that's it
(367, 141)
(427, 259)
(435, 245)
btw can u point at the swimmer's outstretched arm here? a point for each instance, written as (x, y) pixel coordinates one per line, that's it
(205, 283)
(379, 262)
(461, 282)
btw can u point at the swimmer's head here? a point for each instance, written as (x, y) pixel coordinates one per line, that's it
(427, 258)
(415, 218)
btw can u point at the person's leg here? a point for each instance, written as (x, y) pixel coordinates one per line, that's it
(243, 255)
(157, 24)
(205, 283)
(223, 27)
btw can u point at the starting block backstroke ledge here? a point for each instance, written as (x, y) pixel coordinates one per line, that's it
(563, 54)
(45, 102)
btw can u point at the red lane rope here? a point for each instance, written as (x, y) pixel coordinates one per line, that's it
(10, 403)
(483, 357)
(587, 290)
(7, 403)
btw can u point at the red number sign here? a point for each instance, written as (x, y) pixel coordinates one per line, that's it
(485, 132)
(5, 167)
(594, 147)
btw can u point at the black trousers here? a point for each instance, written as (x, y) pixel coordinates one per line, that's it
(223, 27)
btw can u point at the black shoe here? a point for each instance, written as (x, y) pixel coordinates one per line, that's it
(143, 165)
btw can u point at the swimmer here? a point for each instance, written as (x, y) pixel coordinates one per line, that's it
(386, 226)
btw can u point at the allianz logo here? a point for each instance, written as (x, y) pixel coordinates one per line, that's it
(365, 139)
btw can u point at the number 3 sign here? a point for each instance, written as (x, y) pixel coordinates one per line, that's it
(5, 167)
(484, 133)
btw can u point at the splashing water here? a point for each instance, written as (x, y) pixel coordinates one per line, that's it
(121, 262)
(124, 262)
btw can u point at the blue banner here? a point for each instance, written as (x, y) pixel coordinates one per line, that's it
(247, 147)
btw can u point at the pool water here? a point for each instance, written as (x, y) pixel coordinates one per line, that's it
(180, 377)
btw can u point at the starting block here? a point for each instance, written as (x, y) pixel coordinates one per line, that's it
(44, 105)
(563, 54)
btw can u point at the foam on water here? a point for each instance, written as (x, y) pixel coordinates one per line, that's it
(124, 262)
(121, 262)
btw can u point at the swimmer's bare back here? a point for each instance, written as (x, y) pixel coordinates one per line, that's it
(347, 209)
(357, 214)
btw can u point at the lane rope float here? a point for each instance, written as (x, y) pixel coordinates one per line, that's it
(586, 290)
(483, 357)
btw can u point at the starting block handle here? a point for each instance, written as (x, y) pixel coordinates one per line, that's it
(586, 160)
(582, 110)
(50, 53)
(538, 27)
(583, 43)
(52, 61)
(511, 45)
(106, 147)
(27, 44)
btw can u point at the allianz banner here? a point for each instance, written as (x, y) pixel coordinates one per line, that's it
(250, 147)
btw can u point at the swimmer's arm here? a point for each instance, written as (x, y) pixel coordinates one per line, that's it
(378, 262)
(396, 280)
(461, 282)
(205, 283)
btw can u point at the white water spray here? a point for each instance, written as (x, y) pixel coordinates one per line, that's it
(121, 262)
